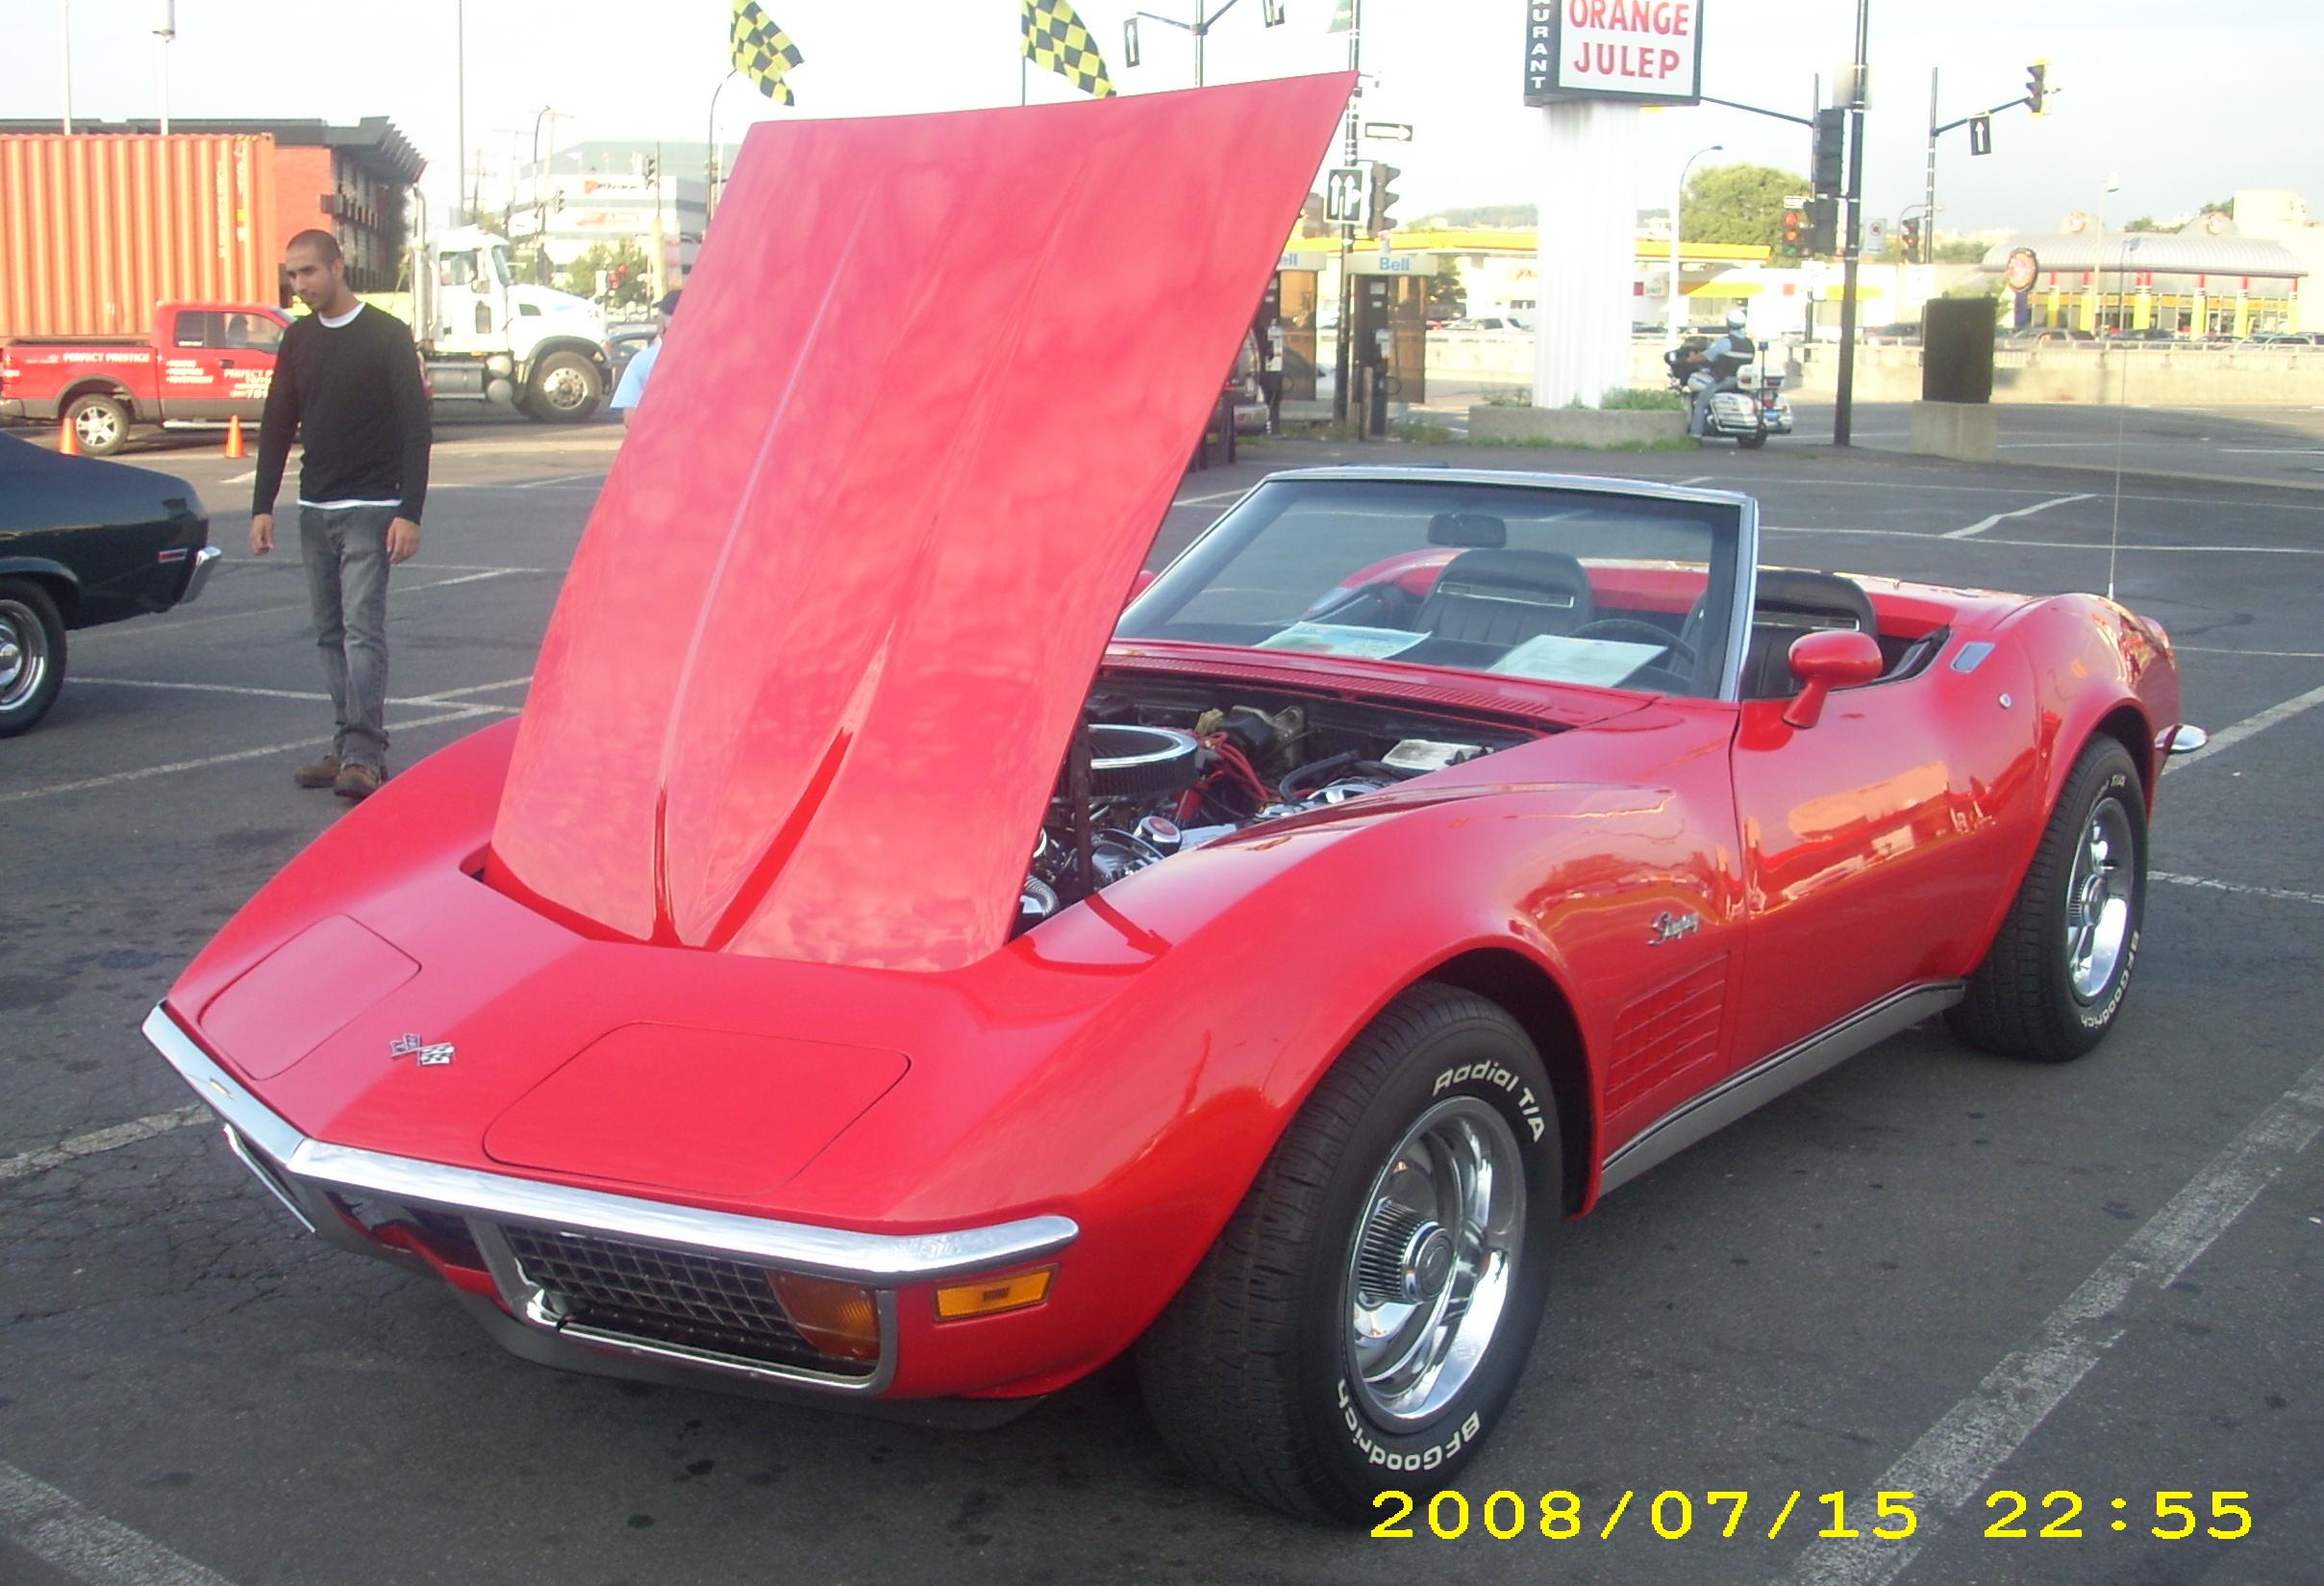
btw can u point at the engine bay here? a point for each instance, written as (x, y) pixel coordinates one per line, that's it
(1161, 767)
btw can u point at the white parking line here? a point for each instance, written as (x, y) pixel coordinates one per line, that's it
(2281, 894)
(1983, 523)
(2058, 544)
(172, 624)
(1950, 1461)
(446, 697)
(99, 1139)
(83, 1544)
(2228, 736)
(463, 712)
(2275, 655)
(1205, 500)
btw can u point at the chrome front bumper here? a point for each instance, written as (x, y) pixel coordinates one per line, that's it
(204, 560)
(313, 1180)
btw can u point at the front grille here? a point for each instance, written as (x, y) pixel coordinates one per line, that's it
(700, 1302)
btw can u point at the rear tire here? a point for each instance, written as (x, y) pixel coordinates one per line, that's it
(1752, 443)
(32, 655)
(100, 424)
(2053, 982)
(1365, 1317)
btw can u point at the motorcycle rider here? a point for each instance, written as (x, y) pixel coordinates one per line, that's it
(1716, 368)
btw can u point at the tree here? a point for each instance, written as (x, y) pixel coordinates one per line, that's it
(2146, 222)
(1960, 251)
(634, 288)
(1737, 204)
(2226, 207)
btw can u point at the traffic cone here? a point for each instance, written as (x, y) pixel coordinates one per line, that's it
(234, 436)
(67, 445)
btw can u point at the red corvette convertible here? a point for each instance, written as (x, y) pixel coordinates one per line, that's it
(879, 968)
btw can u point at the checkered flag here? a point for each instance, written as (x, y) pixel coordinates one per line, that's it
(1057, 39)
(763, 52)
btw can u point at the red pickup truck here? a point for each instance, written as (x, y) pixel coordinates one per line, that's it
(204, 363)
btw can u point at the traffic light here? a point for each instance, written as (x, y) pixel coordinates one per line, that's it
(2037, 86)
(1381, 199)
(653, 168)
(557, 204)
(1829, 153)
(1792, 247)
(1823, 225)
(1911, 238)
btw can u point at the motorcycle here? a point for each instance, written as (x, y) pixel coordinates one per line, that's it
(1747, 407)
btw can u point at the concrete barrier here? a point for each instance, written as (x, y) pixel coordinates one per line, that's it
(1577, 426)
(2144, 376)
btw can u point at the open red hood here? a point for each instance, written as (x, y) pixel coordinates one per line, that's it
(934, 383)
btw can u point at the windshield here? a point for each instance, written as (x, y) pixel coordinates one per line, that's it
(1569, 585)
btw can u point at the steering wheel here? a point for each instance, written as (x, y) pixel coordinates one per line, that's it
(1637, 632)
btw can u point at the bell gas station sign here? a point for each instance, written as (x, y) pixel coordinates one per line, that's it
(1646, 52)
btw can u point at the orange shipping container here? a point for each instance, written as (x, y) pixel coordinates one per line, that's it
(95, 231)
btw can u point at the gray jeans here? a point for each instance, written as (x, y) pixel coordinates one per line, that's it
(345, 551)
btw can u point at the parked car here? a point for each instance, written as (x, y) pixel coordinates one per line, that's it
(919, 981)
(1904, 332)
(2285, 338)
(622, 343)
(2038, 335)
(203, 364)
(84, 542)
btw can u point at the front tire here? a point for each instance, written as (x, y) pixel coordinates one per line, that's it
(100, 424)
(2053, 982)
(1365, 1317)
(32, 655)
(566, 389)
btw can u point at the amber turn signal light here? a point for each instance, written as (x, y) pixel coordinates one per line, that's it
(958, 1302)
(837, 1317)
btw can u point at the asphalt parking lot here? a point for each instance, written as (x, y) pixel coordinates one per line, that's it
(1928, 1271)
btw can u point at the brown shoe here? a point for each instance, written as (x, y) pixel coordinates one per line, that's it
(357, 781)
(317, 773)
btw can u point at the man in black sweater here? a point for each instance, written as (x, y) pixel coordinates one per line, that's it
(347, 382)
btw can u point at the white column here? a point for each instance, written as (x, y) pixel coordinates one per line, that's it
(1587, 230)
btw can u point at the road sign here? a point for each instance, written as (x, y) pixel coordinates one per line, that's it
(1876, 235)
(1344, 195)
(1981, 135)
(1388, 131)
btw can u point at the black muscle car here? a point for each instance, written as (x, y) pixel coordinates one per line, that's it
(84, 542)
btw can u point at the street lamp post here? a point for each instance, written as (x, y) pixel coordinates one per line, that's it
(541, 202)
(166, 29)
(1200, 28)
(1678, 201)
(709, 169)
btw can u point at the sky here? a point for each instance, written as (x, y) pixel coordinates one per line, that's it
(2230, 117)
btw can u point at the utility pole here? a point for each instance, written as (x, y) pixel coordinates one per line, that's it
(1345, 367)
(1854, 233)
(460, 112)
(65, 30)
(1928, 190)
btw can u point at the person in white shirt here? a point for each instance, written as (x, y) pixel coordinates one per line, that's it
(632, 389)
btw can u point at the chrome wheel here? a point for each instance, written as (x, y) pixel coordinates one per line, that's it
(23, 653)
(97, 427)
(1430, 1269)
(2099, 900)
(565, 388)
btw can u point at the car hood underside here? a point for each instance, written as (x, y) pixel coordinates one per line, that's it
(808, 686)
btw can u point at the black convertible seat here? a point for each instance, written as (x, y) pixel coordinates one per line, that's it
(1790, 603)
(1504, 597)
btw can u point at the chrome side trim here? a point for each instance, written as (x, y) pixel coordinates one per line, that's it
(1770, 1077)
(875, 1260)
(202, 561)
(264, 1174)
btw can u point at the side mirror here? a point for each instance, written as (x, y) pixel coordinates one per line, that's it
(1838, 658)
